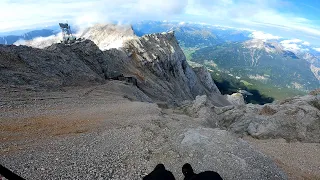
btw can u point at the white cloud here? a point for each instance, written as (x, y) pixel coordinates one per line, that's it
(306, 43)
(265, 15)
(295, 45)
(263, 36)
(291, 41)
(261, 15)
(291, 47)
(30, 13)
(317, 49)
(40, 42)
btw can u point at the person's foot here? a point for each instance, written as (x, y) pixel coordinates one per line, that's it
(159, 173)
(190, 175)
(187, 171)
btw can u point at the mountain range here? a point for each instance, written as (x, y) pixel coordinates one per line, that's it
(278, 68)
(273, 67)
(112, 105)
(11, 39)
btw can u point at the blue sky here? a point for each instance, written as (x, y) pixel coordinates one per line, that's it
(296, 19)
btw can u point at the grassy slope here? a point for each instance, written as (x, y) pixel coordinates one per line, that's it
(264, 89)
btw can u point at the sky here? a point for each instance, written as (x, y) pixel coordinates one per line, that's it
(295, 19)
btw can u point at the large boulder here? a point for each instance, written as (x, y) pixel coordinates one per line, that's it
(221, 152)
(236, 99)
(295, 119)
(206, 79)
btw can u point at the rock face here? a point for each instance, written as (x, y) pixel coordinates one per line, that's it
(296, 119)
(155, 63)
(107, 36)
(238, 155)
(162, 71)
(236, 99)
(206, 79)
(58, 65)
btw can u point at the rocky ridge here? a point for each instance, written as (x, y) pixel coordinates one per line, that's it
(163, 72)
(295, 119)
(155, 62)
(85, 96)
(56, 66)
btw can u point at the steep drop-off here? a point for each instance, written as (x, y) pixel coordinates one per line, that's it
(156, 62)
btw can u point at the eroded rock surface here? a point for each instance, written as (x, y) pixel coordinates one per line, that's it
(236, 99)
(155, 63)
(163, 72)
(295, 119)
(58, 65)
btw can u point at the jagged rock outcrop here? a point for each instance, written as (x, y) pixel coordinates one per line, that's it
(108, 36)
(315, 92)
(58, 65)
(206, 79)
(295, 119)
(316, 71)
(155, 63)
(236, 99)
(160, 66)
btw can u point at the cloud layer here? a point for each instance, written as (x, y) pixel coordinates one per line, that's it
(273, 16)
(263, 36)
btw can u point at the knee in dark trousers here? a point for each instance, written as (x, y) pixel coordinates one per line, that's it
(190, 175)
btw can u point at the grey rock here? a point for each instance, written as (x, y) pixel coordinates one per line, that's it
(295, 119)
(220, 151)
(159, 65)
(58, 65)
(155, 63)
(236, 99)
(124, 139)
(206, 79)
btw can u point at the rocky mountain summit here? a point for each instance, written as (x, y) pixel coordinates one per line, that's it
(108, 36)
(56, 66)
(155, 63)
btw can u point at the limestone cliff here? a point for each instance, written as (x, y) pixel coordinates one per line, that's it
(155, 61)
(163, 73)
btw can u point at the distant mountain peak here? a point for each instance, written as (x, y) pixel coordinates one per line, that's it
(272, 47)
(108, 36)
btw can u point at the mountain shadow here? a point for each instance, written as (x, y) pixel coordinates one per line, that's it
(229, 87)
